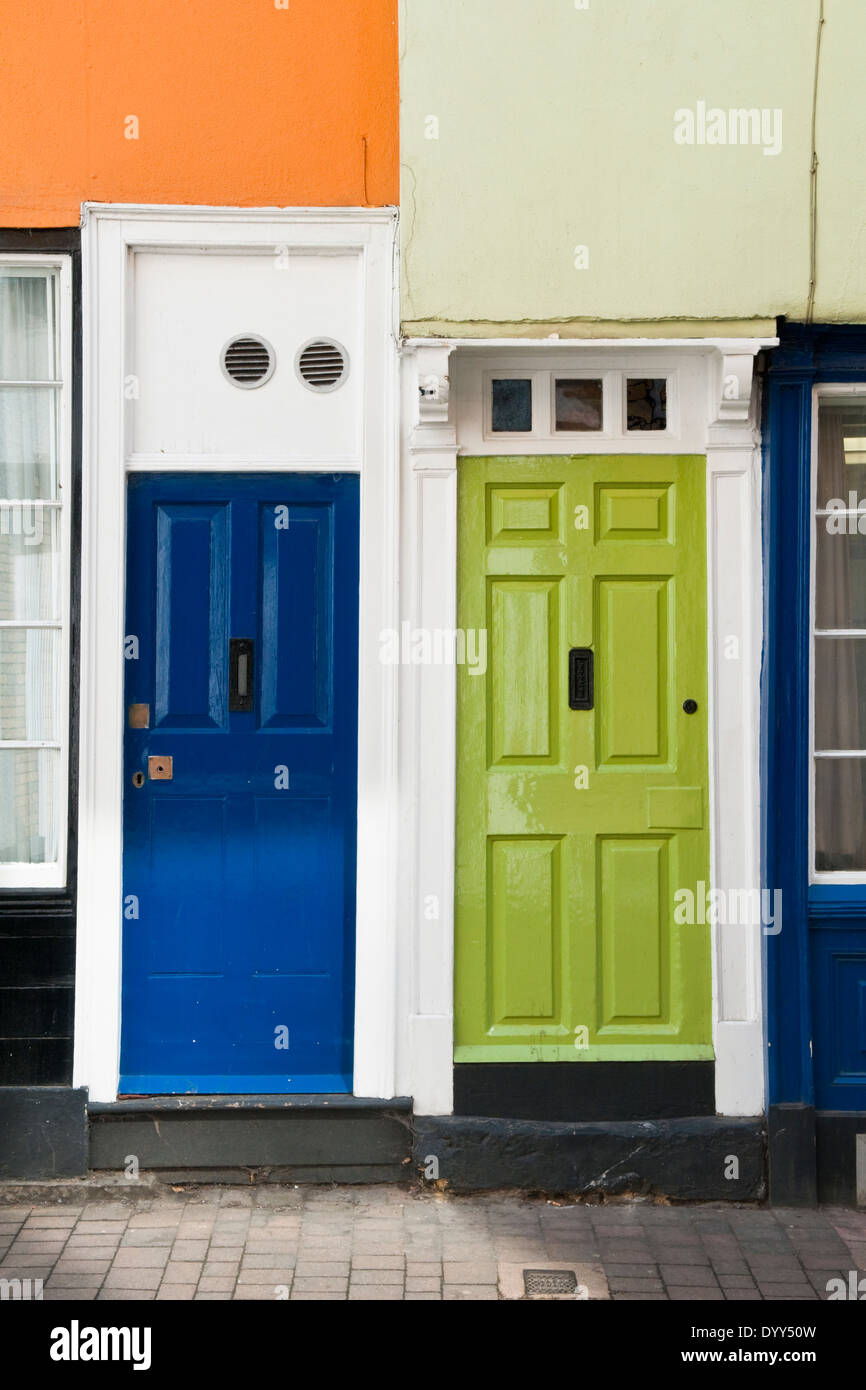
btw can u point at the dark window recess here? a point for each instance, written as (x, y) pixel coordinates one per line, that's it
(579, 405)
(647, 401)
(512, 406)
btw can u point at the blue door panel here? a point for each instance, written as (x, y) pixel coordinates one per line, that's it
(297, 599)
(192, 615)
(839, 984)
(239, 871)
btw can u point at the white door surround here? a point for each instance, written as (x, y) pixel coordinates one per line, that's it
(113, 236)
(713, 412)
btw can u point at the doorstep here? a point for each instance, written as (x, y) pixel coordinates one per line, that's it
(698, 1158)
(254, 1138)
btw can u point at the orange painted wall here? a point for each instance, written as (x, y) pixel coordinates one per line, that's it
(238, 103)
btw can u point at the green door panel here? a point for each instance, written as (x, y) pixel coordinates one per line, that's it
(575, 828)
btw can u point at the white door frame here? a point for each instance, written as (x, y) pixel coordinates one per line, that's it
(714, 413)
(111, 234)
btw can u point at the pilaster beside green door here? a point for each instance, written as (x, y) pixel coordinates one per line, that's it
(576, 827)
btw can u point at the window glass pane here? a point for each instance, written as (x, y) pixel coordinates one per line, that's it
(840, 692)
(840, 574)
(842, 455)
(512, 406)
(28, 562)
(840, 814)
(28, 441)
(27, 317)
(28, 683)
(647, 401)
(578, 405)
(28, 805)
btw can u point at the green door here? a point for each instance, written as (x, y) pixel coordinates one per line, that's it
(576, 827)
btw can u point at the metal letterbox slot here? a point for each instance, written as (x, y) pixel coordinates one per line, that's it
(160, 768)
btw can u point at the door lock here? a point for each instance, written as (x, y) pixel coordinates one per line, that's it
(160, 768)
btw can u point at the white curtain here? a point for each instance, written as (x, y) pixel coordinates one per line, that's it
(28, 678)
(26, 412)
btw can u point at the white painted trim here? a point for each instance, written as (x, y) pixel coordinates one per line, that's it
(54, 875)
(110, 233)
(718, 415)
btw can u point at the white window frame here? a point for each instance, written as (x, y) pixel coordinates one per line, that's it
(53, 875)
(838, 391)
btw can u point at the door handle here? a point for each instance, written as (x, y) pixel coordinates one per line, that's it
(581, 679)
(241, 668)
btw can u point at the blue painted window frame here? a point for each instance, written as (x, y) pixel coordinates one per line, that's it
(808, 356)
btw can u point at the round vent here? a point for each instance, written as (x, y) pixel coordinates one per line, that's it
(248, 361)
(322, 364)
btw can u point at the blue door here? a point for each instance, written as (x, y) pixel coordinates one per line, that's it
(240, 780)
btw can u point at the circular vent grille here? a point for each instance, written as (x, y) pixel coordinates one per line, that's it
(248, 361)
(322, 364)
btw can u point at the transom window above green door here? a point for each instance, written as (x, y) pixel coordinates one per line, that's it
(611, 405)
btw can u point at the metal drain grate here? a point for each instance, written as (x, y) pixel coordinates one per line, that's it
(549, 1281)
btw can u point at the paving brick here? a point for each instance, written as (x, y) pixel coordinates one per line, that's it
(377, 1276)
(189, 1250)
(275, 1274)
(321, 1283)
(384, 1262)
(619, 1285)
(148, 1257)
(772, 1289)
(682, 1294)
(69, 1279)
(686, 1274)
(120, 1279)
(369, 1293)
(210, 1284)
(221, 1267)
(469, 1272)
(153, 1235)
(96, 1268)
(182, 1271)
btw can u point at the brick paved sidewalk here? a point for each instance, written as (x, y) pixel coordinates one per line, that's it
(394, 1243)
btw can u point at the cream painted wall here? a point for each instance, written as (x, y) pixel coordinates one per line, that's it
(556, 130)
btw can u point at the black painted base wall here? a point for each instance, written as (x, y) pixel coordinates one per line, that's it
(685, 1159)
(577, 1092)
(43, 1132)
(812, 1155)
